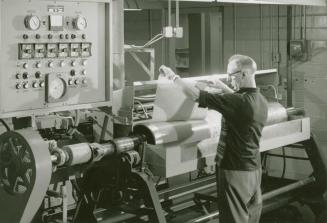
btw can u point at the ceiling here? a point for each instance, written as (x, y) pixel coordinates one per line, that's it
(147, 4)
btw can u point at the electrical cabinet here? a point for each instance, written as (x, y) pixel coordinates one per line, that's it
(55, 55)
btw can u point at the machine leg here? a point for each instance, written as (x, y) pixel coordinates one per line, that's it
(64, 202)
(84, 212)
(153, 195)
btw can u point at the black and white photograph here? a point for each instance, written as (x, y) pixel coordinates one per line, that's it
(163, 111)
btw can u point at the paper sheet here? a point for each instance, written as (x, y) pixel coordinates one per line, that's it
(186, 136)
(172, 104)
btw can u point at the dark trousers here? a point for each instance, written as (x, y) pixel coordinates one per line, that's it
(239, 196)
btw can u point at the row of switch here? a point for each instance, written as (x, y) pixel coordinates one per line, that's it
(61, 36)
(26, 75)
(35, 84)
(54, 50)
(38, 74)
(51, 64)
(76, 81)
(73, 72)
(41, 84)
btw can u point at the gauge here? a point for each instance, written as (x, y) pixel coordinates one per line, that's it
(57, 88)
(80, 23)
(32, 22)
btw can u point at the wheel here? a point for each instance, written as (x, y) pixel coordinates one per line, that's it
(16, 163)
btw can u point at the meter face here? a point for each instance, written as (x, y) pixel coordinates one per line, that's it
(57, 88)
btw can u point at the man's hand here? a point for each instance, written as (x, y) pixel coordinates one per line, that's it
(168, 73)
(189, 89)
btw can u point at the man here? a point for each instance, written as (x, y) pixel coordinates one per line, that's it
(245, 112)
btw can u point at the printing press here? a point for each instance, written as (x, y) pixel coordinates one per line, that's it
(53, 169)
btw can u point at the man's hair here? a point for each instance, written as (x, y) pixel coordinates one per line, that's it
(244, 63)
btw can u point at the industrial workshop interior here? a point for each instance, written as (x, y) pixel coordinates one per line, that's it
(105, 111)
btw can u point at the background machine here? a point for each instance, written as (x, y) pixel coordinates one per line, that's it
(60, 71)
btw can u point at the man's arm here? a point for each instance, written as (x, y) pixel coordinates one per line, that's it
(190, 90)
(221, 85)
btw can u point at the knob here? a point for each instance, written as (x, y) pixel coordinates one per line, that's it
(84, 72)
(18, 76)
(26, 75)
(61, 36)
(35, 85)
(67, 36)
(80, 23)
(32, 22)
(38, 75)
(76, 82)
(84, 62)
(50, 64)
(38, 65)
(62, 63)
(72, 72)
(37, 36)
(42, 84)
(25, 36)
(18, 86)
(84, 81)
(70, 82)
(73, 63)
(25, 65)
(50, 36)
(83, 36)
(26, 85)
(73, 36)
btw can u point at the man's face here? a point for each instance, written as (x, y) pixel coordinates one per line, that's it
(234, 75)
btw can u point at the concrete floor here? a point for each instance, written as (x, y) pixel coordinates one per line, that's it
(294, 213)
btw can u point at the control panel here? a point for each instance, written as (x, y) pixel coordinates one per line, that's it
(54, 56)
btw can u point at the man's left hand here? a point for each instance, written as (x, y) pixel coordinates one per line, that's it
(168, 73)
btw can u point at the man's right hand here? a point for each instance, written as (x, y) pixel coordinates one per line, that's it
(168, 73)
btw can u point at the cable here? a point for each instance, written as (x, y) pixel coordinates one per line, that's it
(169, 12)
(177, 13)
(156, 38)
(145, 113)
(5, 125)
(274, 89)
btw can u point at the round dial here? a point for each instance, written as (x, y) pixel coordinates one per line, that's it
(32, 22)
(57, 88)
(80, 23)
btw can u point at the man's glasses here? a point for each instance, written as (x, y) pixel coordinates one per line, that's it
(234, 73)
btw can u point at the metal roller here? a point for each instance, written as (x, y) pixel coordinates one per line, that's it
(276, 113)
(125, 144)
(78, 153)
(181, 131)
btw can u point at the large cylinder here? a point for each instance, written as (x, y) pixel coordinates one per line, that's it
(276, 113)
